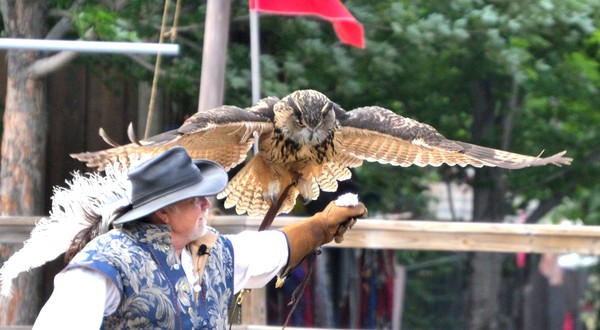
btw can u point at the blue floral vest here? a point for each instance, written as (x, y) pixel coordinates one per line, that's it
(155, 293)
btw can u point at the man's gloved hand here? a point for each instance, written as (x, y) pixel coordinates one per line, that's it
(323, 227)
(337, 219)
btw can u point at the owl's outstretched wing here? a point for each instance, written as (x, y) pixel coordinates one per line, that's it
(379, 135)
(223, 134)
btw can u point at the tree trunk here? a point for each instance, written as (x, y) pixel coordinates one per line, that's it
(535, 296)
(25, 118)
(488, 206)
(23, 149)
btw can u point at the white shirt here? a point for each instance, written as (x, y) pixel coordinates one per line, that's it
(82, 297)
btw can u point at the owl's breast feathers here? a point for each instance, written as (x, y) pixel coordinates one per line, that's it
(283, 149)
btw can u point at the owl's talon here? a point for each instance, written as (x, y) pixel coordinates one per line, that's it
(270, 198)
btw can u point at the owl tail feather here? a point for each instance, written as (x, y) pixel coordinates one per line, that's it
(248, 190)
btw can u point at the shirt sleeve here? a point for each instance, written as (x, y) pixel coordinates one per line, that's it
(80, 300)
(258, 257)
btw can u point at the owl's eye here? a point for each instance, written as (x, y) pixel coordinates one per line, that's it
(299, 123)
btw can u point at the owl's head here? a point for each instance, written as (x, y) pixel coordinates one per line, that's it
(306, 117)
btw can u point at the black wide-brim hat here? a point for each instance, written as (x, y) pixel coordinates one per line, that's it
(168, 178)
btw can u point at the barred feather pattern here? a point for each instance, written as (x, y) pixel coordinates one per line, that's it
(84, 208)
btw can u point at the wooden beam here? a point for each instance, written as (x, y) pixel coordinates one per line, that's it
(413, 235)
(449, 236)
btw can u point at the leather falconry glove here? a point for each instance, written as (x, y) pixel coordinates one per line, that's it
(323, 227)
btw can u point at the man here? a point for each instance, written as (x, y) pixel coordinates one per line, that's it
(162, 267)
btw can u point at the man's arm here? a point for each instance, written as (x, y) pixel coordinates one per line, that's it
(259, 256)
(80, 299)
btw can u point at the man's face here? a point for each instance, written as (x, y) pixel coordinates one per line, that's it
(189, 217)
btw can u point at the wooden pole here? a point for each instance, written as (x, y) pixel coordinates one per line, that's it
(214, 54)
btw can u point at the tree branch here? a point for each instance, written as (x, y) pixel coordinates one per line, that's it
(47, 65)
(190, 43)
(548, 204)
(144, 64)
(593, 158)
(62, 27)
(65, 24)
(44, 66)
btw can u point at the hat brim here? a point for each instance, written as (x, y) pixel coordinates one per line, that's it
(214, 180)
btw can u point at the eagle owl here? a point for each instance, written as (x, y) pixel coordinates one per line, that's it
(307, 143)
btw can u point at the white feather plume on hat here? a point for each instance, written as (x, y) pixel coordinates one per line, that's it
(89, 200)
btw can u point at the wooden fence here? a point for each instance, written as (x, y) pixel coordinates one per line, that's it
(394, 234)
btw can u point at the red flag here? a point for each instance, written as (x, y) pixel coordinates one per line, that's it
(347, 28)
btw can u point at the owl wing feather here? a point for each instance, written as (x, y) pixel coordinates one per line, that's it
(223, 134)
(379, 135)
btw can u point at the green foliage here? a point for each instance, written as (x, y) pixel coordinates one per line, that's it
(422, 60)
(406, 197)
(430, 275)
(539, 61)
(106, 24)
(585, 208)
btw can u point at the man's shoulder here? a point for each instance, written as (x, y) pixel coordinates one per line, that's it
(109, 240)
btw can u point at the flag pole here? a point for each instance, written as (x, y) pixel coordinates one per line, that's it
(255, 55)
(255, 65)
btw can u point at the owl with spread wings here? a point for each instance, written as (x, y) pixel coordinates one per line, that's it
(307, 143)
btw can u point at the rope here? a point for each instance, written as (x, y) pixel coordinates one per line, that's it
(173, 34)
(173, 31)
(301, 288)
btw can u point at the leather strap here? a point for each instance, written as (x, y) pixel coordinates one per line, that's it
(200, 250)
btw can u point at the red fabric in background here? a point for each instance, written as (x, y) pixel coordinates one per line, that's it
(347, 28)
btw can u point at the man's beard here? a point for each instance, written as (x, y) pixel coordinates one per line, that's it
(199, 230)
